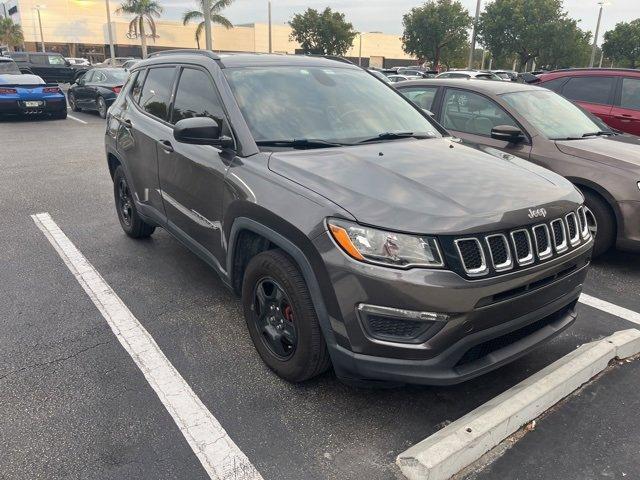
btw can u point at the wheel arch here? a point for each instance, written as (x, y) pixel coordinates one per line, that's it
(583, 183)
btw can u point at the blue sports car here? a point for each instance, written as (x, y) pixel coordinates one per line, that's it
(22, 94)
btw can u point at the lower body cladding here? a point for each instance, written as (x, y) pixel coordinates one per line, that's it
(434, 327)
(52, 106)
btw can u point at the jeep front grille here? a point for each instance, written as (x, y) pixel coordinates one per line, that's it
(481, 255)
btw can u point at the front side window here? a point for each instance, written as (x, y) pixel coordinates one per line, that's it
(88, 77)
(56, 60)
(99, 77)
(554, 116)
(469, 112)
(555, 84)
(630, 93)
(136, 88)
(156, 92)
(589, 89)
(195, 97)
(336, 104)
(421, 96)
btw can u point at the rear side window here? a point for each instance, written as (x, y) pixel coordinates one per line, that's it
(88, 77)
(99, 77)
(421, 96)
(19, 57)
(156, 92)
(630, 93)
(196, 97)
(589, 89)
(38, 59)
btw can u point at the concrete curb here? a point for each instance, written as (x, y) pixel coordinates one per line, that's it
(464, 441)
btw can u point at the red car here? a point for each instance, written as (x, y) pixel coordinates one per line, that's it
(613, 94)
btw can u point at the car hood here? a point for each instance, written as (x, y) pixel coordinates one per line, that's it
(428, 186)
(621, 151)
(10, 79)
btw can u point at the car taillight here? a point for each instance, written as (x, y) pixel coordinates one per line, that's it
(52, 90)
(116, 89)
(8, 91)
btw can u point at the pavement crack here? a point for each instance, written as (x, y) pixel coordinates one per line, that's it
(55, 360)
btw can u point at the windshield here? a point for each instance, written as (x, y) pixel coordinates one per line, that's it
(338, 105)
(10, 68)
(554, 116)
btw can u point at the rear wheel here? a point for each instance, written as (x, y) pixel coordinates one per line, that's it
(130, 221)
(101, 105)
(601, 222)
(281, 318)
(73, 103)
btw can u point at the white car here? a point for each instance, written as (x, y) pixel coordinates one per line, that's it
(469, 74)
(78, 62)
(402, 78)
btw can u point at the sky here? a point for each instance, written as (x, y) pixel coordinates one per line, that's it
(386, 15)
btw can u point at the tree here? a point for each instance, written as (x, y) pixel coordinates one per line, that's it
(622, 44)
(521, 27)
(144, 12)
(214, 15)
(10, 33)
(567, 46)
(322, 33)
(436, 31)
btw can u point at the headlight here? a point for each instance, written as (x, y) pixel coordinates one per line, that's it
(385, 248)
(638, 185)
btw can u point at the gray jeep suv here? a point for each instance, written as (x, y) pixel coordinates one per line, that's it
(356, 231)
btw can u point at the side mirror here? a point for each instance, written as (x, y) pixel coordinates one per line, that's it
(201, 131)
(507, 133)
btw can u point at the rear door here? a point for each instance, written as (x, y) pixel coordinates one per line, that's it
(626, 112)
(471, 116)
(595, 93)
(192, 176)
(144, 121)
(39, 66)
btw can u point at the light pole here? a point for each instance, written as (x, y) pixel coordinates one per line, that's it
(270, 44)
(37, 8)
(207, 24)
(360, 49)
(112, 51)
(473, 35)
(595, 37)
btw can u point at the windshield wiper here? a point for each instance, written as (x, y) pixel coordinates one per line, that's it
(597, 134)
(300, 143)
(393, 136)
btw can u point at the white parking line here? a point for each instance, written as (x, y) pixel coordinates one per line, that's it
(611, 308)
(76, 119)
(219, 455)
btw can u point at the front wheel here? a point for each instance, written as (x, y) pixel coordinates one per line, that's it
(601, 222)
(281, 318)
(128, 216)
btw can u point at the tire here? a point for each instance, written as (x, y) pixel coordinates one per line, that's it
(309, 356)
(130, 221)
(604, 220)
(101, 105)
(72, 103)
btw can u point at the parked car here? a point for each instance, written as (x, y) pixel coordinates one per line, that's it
(402, 78)
(116, 61)
(415, 72)
(26, 94)
(506, 75)
(97, 90)
(380, 75)
(51, 67)
(611, 94)
(356, 232)
(128, 65)
(538, 125)
(469, 74)
(78, 62)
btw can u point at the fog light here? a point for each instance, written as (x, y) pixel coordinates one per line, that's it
(399, 325)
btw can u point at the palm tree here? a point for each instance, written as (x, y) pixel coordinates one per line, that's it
(10, 33)
(214, 14)
(143, 11)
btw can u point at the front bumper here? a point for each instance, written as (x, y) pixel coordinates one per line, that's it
(54, 105)
(629, 231)
(491, 321)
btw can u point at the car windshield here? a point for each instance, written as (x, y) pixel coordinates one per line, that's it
(337, 105)
(9, 68)
(554, 116)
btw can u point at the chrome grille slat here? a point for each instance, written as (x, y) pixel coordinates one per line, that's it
(573, 233)
(524, 256)
(582, 219)
(467, 257)
(542, 240)
(559, 236)
(501, 261)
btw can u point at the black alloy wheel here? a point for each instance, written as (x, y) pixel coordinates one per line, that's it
(274, 318)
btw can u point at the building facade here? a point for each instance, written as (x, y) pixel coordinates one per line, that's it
(78, 28)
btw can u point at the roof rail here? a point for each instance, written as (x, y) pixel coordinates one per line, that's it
(331, 57)
(594, 68)
(179, 51)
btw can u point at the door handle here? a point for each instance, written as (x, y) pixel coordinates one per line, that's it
(624, 116)
(166, 145)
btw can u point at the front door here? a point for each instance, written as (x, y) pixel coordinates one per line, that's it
(192, 176)
(471, 116)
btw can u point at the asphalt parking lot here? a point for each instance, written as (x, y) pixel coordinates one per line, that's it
(73, 404)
